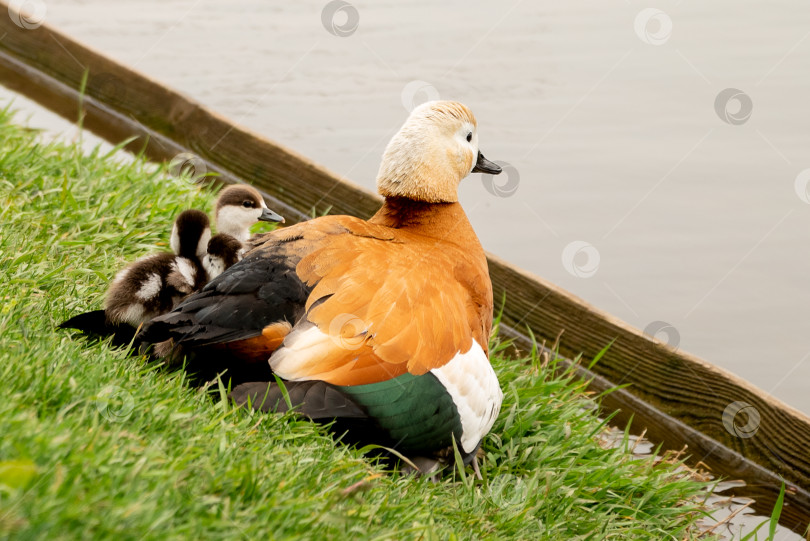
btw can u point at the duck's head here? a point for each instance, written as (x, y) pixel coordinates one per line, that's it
(239, 207)
(435, 148)
(190, 234)
(223, 252)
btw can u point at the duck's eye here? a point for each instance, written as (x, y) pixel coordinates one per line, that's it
(469, 137)
(247, 204)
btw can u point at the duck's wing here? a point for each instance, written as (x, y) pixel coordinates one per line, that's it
(379, 309)
(400, 329)
(95, 326)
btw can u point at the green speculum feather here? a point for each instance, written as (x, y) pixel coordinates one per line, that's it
(417, 411)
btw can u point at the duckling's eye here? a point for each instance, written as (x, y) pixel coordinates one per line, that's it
(247, 204)
(469, 137)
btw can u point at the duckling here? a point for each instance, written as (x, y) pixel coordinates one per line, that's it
(223, 252)
(153, 285)
(239, 207)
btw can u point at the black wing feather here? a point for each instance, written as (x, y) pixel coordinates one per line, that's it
(317, 400)
(95, 325)
(260, 290)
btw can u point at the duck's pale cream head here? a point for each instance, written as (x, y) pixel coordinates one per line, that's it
(435, 148)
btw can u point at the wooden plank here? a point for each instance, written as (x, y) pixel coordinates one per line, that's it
(677, 397)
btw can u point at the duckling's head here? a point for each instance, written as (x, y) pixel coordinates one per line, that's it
(223, 252)
(239, 207)
(190, 234)
(435, 148)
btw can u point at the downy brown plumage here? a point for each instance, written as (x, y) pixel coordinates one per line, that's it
(223, 252)
(238, 208)
(154, 284)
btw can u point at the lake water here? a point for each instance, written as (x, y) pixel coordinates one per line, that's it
(689, 202)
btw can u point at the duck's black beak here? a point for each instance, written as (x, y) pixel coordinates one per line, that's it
(483, 165)
(270, 216)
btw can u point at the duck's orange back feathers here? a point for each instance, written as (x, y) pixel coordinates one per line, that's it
(391, 297)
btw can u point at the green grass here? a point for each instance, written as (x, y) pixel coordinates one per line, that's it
(98, 444)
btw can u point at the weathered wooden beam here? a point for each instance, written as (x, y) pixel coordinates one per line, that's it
(677, 397)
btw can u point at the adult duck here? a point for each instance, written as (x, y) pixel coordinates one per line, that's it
(381, 324)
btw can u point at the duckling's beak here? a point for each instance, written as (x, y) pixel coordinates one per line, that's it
(270, 216)
(483, 165)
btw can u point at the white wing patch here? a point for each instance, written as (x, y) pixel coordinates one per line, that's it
(468, 377)
(150, 287)
(133, 314)
(186, 269)
(174, 242)
(214, 266)
(202, 244)
(474, 387)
